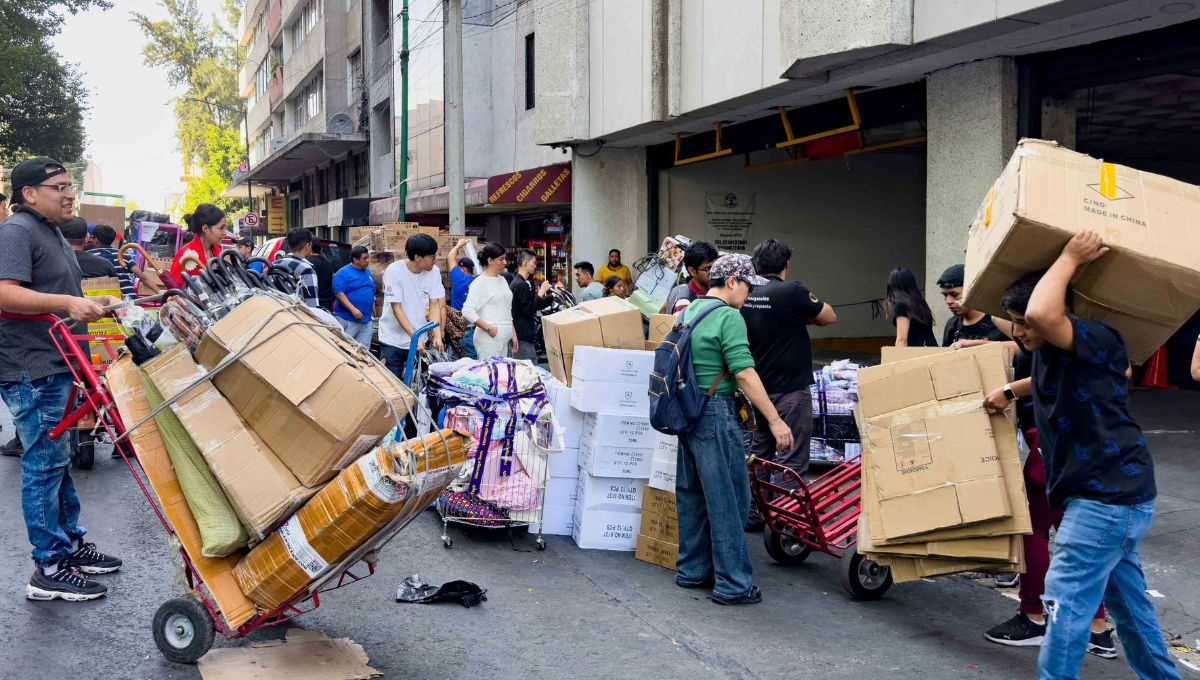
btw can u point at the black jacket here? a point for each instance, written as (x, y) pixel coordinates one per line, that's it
(525, 307)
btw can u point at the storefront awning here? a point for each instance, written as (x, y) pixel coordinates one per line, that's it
(305, 152)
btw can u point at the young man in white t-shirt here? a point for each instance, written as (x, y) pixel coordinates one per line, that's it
(412, 295)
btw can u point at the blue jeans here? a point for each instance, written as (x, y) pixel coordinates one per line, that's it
(712, 496)
(394, 358)
(361, 331)
(48, 498)
(1096, 556)
(468, 344)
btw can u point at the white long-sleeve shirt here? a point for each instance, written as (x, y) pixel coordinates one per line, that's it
(489, 298)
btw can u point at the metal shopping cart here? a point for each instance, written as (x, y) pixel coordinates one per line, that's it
(819, 515)
(184, 627)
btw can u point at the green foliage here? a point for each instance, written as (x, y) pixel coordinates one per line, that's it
(224, 151)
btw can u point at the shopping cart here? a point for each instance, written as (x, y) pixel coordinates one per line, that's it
(185, 627)
(819, 515)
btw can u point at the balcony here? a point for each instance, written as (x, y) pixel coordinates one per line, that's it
(275, 89)
(274, 20)
(258, 114)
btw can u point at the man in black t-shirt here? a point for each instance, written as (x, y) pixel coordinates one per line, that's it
(92, 266)
(968, 327)
(1098, 466)
(777, 318)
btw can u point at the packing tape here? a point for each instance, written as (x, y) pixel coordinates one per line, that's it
(380, 483)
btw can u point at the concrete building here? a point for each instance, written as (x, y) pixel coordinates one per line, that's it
(317, 76)
(864, 132)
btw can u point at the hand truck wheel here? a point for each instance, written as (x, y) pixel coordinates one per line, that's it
(84, 454)
(785, 549)
(863, 578)
(183, 630)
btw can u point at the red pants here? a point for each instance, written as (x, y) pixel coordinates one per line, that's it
(1037, 544)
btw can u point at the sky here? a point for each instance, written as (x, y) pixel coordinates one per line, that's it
(130, 125)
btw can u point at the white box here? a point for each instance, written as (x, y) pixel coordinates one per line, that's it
(630, 366)
(662, 474)
(601, 530)
(614, 429)
(608, 493)
(666, 446)
(591, 396)
(557, 520)
(562, 490)
(564, 463)
(569, 419)
(614, 461)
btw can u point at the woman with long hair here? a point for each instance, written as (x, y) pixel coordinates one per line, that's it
(207, 224)
(489, 306)
(614, 286)
(910, 313)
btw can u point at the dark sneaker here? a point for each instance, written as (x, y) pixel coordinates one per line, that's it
(1018, 631)
(65, 584)
(1008, 580)
(12, 448)
(754, 526)
(1102, 645)
(91, 561)
(752, 597)
(706, 584)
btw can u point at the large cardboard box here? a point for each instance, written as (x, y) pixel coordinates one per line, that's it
(616, 445)
(604, 364)
(261, 488)
(933, 457)
(590, 396)
(1006, 446)
(662, 474)
(563, 490)
(557, 520)
(569, 419)
(605, 529)
(608, 322)
(368, 495)
(147, 442)
(112, 215)
(563, 463)
(318, 401)
(655, 551)
(1045, 195)
(660, 325)
(609, 493)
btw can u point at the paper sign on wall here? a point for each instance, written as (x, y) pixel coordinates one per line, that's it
(728, 217)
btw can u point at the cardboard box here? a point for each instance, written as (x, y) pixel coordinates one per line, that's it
(608, 322)
(608, 493)
(562, 490)
(660, 325)
(603, 364)
(614, 461)
(656, 551)
(261, 488)
(319, 401)
(659, 502)
(907, 569)
(611, 397)
(616, 445)
(1045, 195)
(933, 455)
(112, 215)
(155, 462)
(660, 527)
(364, 498)
(557, 520)
(564, 463)
(570, 419)
(103, 285)
(666, 446)
(1006, 445)
(605, 530)
(662, 474)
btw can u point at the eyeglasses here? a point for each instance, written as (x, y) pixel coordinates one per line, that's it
(61, 188)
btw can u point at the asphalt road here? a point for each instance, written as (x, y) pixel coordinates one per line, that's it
(570, 613)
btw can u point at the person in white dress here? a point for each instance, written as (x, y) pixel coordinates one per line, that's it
(489, 306)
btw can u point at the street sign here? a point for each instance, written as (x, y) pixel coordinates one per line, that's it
(242, 167)
(251, 220)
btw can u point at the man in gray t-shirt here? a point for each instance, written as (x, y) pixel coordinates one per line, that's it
(39, 275)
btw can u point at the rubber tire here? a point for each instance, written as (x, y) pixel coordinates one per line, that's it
(85, 455)
(773, 542)
(204, 632)
(849, 567)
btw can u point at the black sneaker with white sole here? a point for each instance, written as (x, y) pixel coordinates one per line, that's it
(91, 561)
(65, 584)
(1018, 631)
(1102, 645)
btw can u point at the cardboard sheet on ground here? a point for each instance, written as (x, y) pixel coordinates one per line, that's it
(152, 455)
(303, 655)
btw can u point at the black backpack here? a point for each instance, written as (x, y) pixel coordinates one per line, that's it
(676, 401)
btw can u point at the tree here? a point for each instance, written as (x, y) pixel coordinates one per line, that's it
(27, 24)
(44, 116)
(224, 153)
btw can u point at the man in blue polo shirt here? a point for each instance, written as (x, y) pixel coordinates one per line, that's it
(354, 297)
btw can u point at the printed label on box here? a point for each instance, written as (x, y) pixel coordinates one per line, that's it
(297, 545)
(383, 487)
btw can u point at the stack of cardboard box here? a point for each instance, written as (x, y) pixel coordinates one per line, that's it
(658, 539)
(558, 511)
(943, 490)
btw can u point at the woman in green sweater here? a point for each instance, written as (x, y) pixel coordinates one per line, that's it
(712, 488)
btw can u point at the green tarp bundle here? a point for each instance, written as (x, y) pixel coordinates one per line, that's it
(221, 531)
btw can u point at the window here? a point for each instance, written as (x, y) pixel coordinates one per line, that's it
(361, 175)
(262, 76)
(305, 22)
(529, 99)
(308, 102)
(353, 75)
(261, 33)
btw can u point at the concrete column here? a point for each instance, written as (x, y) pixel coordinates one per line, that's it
(608, 207)
(972, 117)
(1058, 120)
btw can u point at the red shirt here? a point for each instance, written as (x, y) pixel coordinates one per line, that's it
(194, 246)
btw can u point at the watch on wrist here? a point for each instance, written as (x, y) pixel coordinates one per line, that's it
(1009, 394)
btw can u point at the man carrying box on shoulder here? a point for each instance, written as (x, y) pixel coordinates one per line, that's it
(1098, 467)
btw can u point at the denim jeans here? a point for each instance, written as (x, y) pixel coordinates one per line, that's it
(468, 343)
(1095, 557)
(361, 331)
(712, 496)
(394, 358)
(48, 498)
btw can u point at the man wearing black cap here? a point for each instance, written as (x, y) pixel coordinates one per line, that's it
(245, 246)
(968, 327)
(40, 275)
(92, 266)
